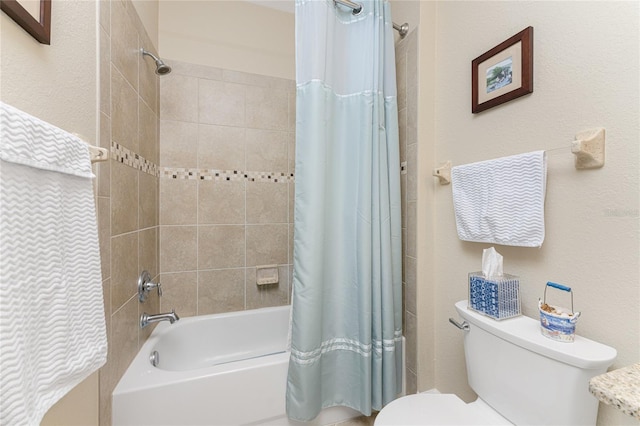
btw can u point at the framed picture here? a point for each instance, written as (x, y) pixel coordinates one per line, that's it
(34, 16)
(503, 73)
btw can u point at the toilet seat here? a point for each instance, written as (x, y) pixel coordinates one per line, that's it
(438, 409)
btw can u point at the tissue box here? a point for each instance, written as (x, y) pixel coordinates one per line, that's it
(497, 297)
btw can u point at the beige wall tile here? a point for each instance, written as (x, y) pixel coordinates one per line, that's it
(124, 337)
(149, 145)
(221, 147)
(221, 202)
(412, 382)
(178, 201)
(267, 108)
(124, 43)
(221, 103)
(267, 150)
(106, 297)
(124, 112)
(148, 251)
(291, 151)
(105, 390)
(124, 268)
(221, 246)
(402, 133)
(401, 78)
(179, 96)
(292, 109)
(220, 290)
(291, 226)
(412, 172)
(148, 199)
(105, 15)
(103, 209)
(195, 70)
(149, 84)
(124, 198)
(104, 167)
(410, 285)
(267, 244)
(179, 292)
(105, 71)
(411, 229)
(178, 144)
(403, 199)
(178, 248)
(151, 306)
(292, 199)
(262, 296)
(267, 202)
(411, 342)
(255, 79)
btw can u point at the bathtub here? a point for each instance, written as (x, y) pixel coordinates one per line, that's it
(222, 369)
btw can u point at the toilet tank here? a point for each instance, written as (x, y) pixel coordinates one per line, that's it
(528, 378)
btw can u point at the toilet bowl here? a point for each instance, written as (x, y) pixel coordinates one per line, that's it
(521, 377)
(438, 409)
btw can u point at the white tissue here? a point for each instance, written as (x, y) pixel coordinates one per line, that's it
(491, 263)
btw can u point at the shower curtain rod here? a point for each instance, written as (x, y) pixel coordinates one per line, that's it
(357, 8)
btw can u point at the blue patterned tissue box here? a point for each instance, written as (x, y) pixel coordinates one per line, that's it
(497, 297)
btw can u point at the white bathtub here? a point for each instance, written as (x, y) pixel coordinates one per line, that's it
(223, 369)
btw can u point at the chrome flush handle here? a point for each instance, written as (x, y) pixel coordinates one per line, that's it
(464, 326)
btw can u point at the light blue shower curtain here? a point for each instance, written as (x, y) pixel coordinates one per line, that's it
(347, 319)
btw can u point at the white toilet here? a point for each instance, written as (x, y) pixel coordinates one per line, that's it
(520, 376)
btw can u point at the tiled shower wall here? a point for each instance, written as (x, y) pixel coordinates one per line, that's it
(407, 82)
(127, 192)
(226, 188)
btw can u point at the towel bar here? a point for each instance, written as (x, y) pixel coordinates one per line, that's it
(588, 149)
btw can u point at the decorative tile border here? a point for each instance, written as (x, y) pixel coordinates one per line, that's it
(125, 156)
(225, 175)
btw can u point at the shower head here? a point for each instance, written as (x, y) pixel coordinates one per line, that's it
(161, 67)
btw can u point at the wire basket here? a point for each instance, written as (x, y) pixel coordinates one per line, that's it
(555, 322)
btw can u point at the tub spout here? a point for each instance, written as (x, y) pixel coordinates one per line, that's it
(146, 319)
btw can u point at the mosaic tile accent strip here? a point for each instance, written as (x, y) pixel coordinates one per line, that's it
(403, 168)
(125, 156)
(225, 175)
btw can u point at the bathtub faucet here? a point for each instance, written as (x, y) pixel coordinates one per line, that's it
(146, 319)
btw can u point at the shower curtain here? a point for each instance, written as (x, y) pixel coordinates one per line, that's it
(347, 307)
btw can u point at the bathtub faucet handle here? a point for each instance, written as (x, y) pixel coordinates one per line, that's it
(145, 285)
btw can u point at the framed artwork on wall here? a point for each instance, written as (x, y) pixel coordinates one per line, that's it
(34, 16)
(503, 73)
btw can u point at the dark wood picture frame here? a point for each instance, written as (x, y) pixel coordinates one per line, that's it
(39, 28)
(525, 65)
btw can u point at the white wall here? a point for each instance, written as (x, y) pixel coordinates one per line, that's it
(58, 84)
(586, 67)
(148, 11)
(234, 35)
(55, 83)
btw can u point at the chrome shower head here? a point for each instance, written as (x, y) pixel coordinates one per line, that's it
(161, 67)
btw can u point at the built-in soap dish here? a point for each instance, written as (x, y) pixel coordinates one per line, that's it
(267, 274)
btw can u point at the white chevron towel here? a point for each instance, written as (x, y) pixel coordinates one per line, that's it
(52, 324)
(501, 201)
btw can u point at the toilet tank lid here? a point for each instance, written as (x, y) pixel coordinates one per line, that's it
(525, 332)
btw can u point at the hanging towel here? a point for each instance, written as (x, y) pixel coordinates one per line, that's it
(501, 201)
(52, 324)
